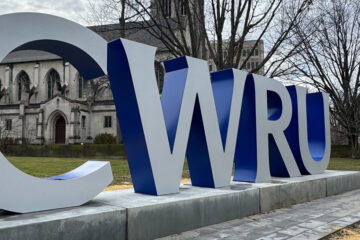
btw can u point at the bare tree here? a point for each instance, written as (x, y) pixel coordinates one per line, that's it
(10, 129)
(209, 28)
(97, 86)
(95, 89)
(328, 59)
(110, 11)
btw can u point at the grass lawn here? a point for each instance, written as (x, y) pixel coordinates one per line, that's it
(45, 167)
(49, 166)
(344, 164)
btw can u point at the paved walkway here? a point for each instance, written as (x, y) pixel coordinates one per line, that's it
(311, 220)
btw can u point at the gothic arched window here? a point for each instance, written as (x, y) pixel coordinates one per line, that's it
(53, 83)
(166, 8)
(182, 7)
(81, 87)
(23, 85)
(19, 90)
(2, 90)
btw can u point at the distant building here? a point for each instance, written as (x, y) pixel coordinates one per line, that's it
(256, 57)
(44, 100)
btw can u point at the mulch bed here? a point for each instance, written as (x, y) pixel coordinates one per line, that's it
(351, 232)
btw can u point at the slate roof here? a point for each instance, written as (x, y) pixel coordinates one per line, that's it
(109, 32)
(29, 56)
(134, 31)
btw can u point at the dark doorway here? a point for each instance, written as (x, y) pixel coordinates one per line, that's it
(60, 127)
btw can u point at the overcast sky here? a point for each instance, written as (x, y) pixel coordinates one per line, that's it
(73, 10)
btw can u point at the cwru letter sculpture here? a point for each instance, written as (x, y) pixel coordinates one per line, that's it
(214, 120)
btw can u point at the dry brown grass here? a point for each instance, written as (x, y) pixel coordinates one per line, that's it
(348, 233)
(128, 185)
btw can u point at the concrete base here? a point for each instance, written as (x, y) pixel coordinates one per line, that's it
(126, 215)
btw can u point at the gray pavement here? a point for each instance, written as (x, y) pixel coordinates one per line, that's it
(311, 220)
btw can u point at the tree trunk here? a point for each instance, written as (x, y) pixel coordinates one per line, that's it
(355, 147)
(122, 20)
(122, 23)
(202, 31)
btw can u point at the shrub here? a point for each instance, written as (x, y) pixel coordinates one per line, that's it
(7, 141)
(341, 151)
(105, 138)
(74, 151)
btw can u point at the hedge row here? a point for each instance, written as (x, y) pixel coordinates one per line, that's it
(87, 150)
(341, 151)
(102, 150)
